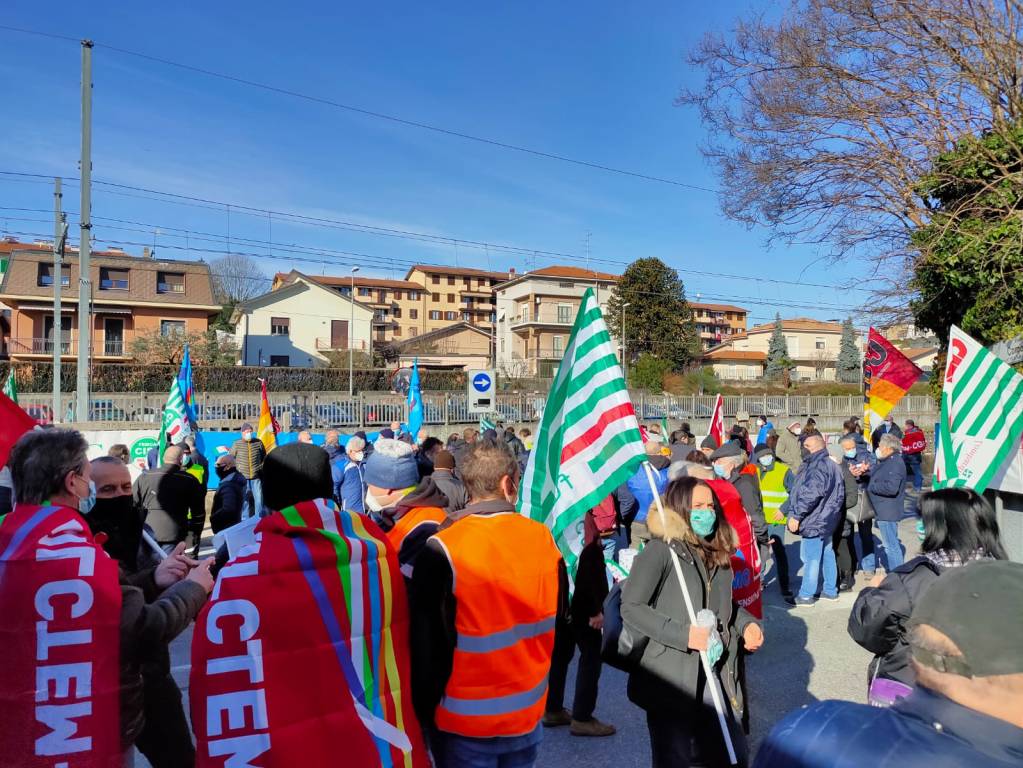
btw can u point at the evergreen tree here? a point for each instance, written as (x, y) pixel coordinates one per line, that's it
(778, 361)
(848, 367)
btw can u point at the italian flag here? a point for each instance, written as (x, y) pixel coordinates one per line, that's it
(588, 443)
(981, 415)
(11, 386)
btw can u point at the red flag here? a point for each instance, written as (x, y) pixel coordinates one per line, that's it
(889, 374)
(14, 422)
(61, 605)
(717, 422)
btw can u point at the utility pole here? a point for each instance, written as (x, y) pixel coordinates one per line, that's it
(351, 338)
(59, 239)
(84, 243)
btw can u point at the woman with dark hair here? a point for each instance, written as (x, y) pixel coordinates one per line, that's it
(698, 457)
(669, 682)
(959, 527)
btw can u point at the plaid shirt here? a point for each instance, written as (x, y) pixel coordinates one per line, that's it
(948, 558)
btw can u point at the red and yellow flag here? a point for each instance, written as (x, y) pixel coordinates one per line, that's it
(888, 374)
(267, 428)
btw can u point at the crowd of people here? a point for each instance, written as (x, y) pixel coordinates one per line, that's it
(438, 624)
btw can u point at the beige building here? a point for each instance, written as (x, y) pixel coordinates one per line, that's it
(459, 346)
(535, 315)
(456, 295)
(813, 346)
(717, 323)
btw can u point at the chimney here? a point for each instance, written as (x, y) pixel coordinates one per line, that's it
(145, 252)
(511, 273)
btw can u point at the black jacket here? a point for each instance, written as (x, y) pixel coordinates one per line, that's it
(228, 502)
(590, 585)
(653, 606)
(817, 498)
(887, 488)
(875, 438)
(879, 616)
(172, 502)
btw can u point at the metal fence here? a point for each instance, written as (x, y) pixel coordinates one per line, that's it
(325, 410)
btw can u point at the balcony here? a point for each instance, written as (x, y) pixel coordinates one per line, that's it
(553, 317)
(329, 345)
(43, 347)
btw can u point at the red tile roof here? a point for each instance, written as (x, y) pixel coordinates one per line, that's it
(729, 354)
(577, 273)
(433, 269)
(799, 324)
(331, 281)
(717, 307)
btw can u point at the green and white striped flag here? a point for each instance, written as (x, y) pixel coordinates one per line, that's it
(981, 415)
(11, 386)
(174, 426)
(588, 443)
(485, 424)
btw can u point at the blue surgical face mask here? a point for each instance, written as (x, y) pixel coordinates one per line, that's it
(920, 534)
(766, 461)
(703, 521)
(851, 453)
(85, 505)
(186, 459)
(720, 471)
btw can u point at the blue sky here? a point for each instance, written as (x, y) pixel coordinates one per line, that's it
(593, 81)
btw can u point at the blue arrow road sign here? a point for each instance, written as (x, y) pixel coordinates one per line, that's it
(482, 382)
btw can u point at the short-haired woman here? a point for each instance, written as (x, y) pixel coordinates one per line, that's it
(670, 683)
(958, 527)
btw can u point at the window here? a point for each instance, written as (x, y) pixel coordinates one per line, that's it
(566, 285)
(481, 283)
(559, 345)
(172, 328)
(170, 282)
(365, 292)
(525, 313)
(397, 295)
(450, 315)
(467, 317)
(280, 361)
(396, 312)
(820, 344)
(413, 331)
(280, 326)
(397, 330)
(467, 283)
(413, 295)
(382, 297)
(45, 275)
(436, 298)
(434, 314)
(564, 313)
(111, 279)
(345, 290)
(435, 279)
(451, 280)
(451, 298)
(413, 314)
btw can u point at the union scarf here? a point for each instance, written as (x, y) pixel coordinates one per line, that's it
(60, 617)
(747, 587)
(301, 655)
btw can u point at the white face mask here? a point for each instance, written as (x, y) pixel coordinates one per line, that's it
(797, 431)
(247, 436)
(766, 461)
(372, 503)
(358, 456)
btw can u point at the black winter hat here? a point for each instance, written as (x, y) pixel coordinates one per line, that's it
(296, 472)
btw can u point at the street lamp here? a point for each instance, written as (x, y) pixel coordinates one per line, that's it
(351, 339)
(625, 366)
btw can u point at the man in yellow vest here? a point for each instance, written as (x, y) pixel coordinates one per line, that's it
(775, 481)
(485, 594)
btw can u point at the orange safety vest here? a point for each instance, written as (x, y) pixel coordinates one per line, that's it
(411, 520)
(505, 579)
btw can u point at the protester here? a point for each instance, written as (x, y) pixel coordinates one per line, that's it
(249, 453)
(886, 427)
(407, 509)
(527, 438)
(482, 653)
(57, 505)
(639, 486)
(427, 451)
(959, 527)
(681, 443)
(860, 461)
(669, 683)
(591, 589)
(172, 502)
(350, 489)
(914, 443)
(460, 446)
(448, 482)
(120, 451)
(775, 482)
(786, 446)
(191, 464)
(518, 448)
(816, 505)
(851, 429)
(708, 445)
(229, 500)
(967, 706)
(843, 539)
(311, 621)
(305, 436)
(887, 492)
(332, 444)
(169, 607)
(730, 464)
(764, 426)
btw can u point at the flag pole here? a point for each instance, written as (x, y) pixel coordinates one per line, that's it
(708, 670)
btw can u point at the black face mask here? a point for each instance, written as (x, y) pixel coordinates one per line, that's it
(118, 519)
(223, 472)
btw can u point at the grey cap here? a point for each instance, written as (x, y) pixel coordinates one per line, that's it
(762, 449)
(709, 442)
(728, 450)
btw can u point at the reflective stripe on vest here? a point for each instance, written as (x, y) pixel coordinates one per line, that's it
(505, 581)
(772, 489)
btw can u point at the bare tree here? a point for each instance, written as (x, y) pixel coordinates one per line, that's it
(237, 277)
(822, 124)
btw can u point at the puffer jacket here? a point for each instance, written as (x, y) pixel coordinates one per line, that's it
(639, 486)
(817, 498)
(887, 488)
(249, 456)
(653, 606)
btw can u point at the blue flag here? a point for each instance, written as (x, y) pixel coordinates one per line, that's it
(415, 403)
(188, 395)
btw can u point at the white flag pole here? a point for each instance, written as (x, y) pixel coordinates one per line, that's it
(154, 546)
(708, 670)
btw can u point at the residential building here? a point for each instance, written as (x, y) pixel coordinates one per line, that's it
(460, 346)
(717, 323)
(132, 296)
(905, 332)
(456, 294)
(535, 314)
(397, 305)
(299, 322)
(813, 346)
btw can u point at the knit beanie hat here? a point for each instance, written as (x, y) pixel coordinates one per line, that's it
(391, 465)
(443, 460)
(296, 472)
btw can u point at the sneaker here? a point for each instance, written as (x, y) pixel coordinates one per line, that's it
(804, 602)
(847, 584)
(592, 728)
(832, 598)
(557, 719)
(789, 598)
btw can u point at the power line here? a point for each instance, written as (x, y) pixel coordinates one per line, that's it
(369, 112)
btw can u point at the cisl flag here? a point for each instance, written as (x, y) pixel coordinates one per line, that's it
(981, 415)
(589, 441)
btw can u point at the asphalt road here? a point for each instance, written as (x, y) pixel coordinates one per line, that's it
(807, 656)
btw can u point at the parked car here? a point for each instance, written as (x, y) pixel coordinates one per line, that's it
(147, 415)
(41, 414)
(105, 410)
